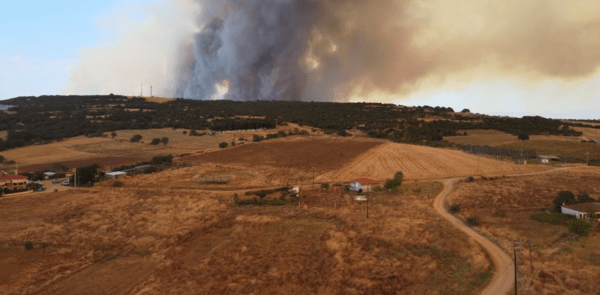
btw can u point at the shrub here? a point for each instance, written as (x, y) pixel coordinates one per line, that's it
(465, 111)
(223, 145)
(566, 197)
(29, 245)
(471, 179)
(118, 184)
(113, 134)
(325, 186)
(343, 133)
(136, 138)
(165, 140)
(454, 209)
(256, 138)
(580, 227)
(149, 170)
(184, 132)
(155, 141)
(523, 136)
(584, 198)
(472, 221)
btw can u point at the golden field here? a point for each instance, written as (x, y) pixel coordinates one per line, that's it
(562, 264)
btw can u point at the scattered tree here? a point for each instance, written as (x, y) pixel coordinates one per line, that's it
(465, 111)
(155, 141)
(113, 134)
(165, 140)
(184, 132)
(2, 159)
(325, 186)
(472, 221)
(454, 209)
(29, 245)
(563, 197)
(584, 198)
(223, 145)
(117, 183)
(523, 136)
(343, 133)
(136, 138)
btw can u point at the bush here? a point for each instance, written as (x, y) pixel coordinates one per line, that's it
(113, 134)
(584, 198)
(566, 197)
(523, 136)
(472, 221)
(165, 140)
(29, 245)
(184, 132)
(149, 170)
(162, 159)
(155, 141)
(136, 138)
(223, 145)
(325, 186)
(454, 209)
(118, 184)
(471, 179)
(580, 227)
(256, 138)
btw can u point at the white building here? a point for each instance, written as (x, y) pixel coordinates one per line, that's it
(581, 210)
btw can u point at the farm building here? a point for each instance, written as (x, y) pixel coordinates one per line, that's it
(545, 159)
(115, 174)
(47, 175)
(366, 184)
(580, 210)
(13, 182)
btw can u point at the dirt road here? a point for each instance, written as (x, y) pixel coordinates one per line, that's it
(504, 274)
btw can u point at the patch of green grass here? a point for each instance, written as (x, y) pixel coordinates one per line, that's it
(553, 218)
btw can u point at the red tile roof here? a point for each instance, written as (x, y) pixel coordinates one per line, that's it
(11, 177)
(584, 207)
(366, 181)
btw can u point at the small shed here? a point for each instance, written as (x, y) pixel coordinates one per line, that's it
(115, 174)
(366, 184)
(47, 175)
(545, 159)
(581, 210)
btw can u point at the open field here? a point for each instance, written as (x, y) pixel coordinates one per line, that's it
(559, 148)
(589, 133)
(157, 241)
(419, 162)
(562, 265)
(482, 137)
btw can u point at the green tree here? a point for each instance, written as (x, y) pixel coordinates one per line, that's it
(113, 134)
(580, 227)
(398, 177)
(523, 136)
(1, 159)
(136, 138)
(155, 141)
(165, 140)
(223, 145)
(584, 198)
(563, 197)
(325, 186)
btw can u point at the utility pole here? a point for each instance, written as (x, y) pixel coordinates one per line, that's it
(515, 246)
(150, 90)
(313, 169)
(367, 203)
(141, 90)
(587, 158)
(530, 260)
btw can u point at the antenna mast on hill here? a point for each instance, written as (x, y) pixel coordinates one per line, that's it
(150, 90)
(141, 89)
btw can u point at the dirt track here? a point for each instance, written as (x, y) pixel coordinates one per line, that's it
(503, 280)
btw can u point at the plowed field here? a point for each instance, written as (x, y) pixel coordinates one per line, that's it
(419, 162)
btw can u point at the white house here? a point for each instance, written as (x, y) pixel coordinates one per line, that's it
(580, 210)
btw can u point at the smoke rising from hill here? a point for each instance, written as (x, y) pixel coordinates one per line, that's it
(325, 50)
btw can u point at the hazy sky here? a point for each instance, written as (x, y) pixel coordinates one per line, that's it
(504, 58)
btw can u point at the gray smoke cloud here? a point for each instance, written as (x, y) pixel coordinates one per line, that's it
(318, 50)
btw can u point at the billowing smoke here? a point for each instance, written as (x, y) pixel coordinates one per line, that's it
(327, 50)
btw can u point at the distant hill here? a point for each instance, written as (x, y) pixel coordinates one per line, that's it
(33, 120)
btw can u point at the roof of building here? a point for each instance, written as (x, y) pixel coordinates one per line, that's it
(5, 177)
(114, 173)
(550, 157)
(584, 207)
(366, 181)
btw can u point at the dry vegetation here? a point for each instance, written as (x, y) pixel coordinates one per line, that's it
(157, 241)
(419, 162)
(482, 137)
(559, 148)
(562, 265)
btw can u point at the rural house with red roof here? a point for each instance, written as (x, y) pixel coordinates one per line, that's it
(581, 210)
(12, 182)
(366, 184)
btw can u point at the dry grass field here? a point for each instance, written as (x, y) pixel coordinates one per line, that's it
(504, 206)
(420, 162)
(158, 241)
(482, 137)
(559, 148)
(589, 133)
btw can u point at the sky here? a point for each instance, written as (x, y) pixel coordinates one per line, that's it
(522, 58)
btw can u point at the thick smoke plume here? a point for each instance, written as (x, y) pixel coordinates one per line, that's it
(327, 50)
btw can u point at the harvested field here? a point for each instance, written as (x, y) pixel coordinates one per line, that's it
(559, 148)
(159, 241)
(419, 162)
(296, 153)
(504, 206)
(482, 137)
(589, 133)
(52, 152)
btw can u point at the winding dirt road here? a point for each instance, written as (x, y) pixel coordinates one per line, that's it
(504, 274)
